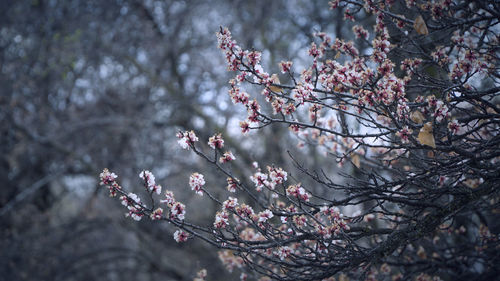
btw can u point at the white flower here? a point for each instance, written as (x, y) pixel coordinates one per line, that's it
(178, 210)
(230, 203)
(265, 215)
(196, 181)
(183, 143)
(180, 236)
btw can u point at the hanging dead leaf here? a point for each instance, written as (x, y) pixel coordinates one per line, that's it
(425, 135)
(420, 26)
(421, 253)
(337, 55)
(275, 80)
(472, 183)
(355, 160)
(343, 277)
(417, 117)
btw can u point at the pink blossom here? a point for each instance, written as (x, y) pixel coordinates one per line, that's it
(187, 139)
(232, 184)
(245, 127)
(133, 203)
(253, 110)
(283, 252)
(196, 181)
(254, 57)
(441, 112)
(285, 66)
(107, 177)
(298, 191)
(227, 157)
(313, 50)
(404, 134)
(333, 4)
(277, 105)
(216, 141)
(149, 180)
(454, 127)
(238, 96)
(244, 210)
(302, 93)
(124, 200)
(180, 236)
(442, 179)
(360, 32)
(289, 109)
(156, 214)
(260, 180)
(178, 210)
(148, 177)
(265, 215)
(277, 175)
(221, 220)
(169, 198)
(230, 203)
(299, 221)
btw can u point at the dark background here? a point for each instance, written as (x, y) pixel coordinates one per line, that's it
(86, 85)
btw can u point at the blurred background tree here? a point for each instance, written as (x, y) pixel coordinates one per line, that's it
(92, 84)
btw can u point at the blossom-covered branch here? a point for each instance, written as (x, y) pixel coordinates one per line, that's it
(416, 113)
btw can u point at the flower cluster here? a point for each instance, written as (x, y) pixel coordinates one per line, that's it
(180, 236)
(109, 179)
(264, 215)
(197, 181)
(149, 181)
(285, 66)
(156, 214)
(221, 219)
(404, 134)
(187, 139)
(232, 184)
(216, 141)
(298, 192)
(134, 206)
(227, 157)
(177, 211)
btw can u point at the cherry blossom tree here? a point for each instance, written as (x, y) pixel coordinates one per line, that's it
(415, 116)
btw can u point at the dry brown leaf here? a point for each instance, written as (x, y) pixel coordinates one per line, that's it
(417, 117)
(356, 161)
(421, 253)
(472, 183)
(420, 26)
(425, 135)
(276, 80)
(343, 277)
